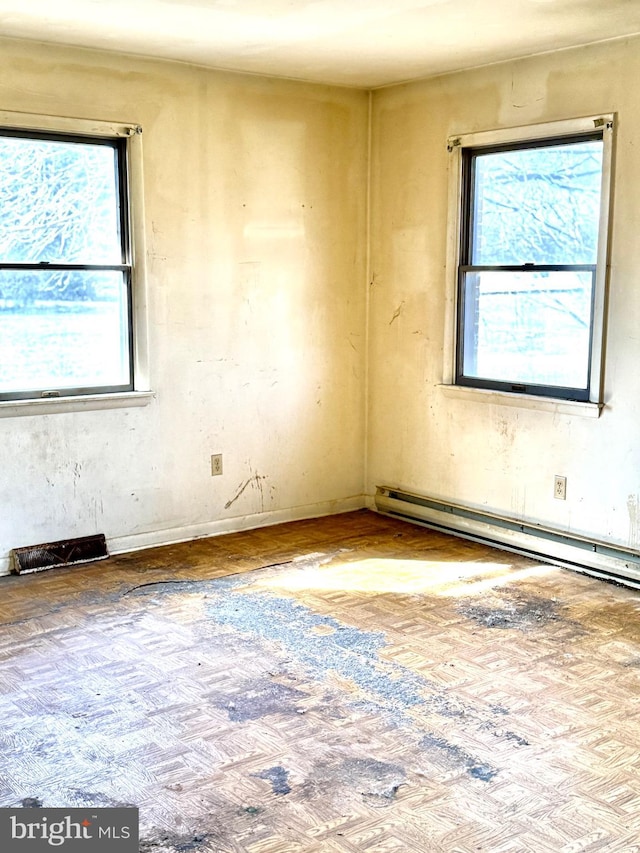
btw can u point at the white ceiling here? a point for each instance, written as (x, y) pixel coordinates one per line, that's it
(363, 43)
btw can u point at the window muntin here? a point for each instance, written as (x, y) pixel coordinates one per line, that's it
(65, 268)
(529, 244)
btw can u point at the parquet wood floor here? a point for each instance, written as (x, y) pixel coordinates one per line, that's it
(352, 683)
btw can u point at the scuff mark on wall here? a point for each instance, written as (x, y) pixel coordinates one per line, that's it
(507, 427)
(397, 312)
(634, 519)
(255, 481)
(98, 510)
(77, 469)
(525, 94)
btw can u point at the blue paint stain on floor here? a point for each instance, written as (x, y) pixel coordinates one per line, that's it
(380, 687)
(383, 687)
(349, 652)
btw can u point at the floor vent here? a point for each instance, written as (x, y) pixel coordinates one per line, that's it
(67, 552)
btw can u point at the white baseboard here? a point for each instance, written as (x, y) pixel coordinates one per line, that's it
(171, 536)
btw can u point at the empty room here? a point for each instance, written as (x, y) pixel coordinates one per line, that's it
(320, 524)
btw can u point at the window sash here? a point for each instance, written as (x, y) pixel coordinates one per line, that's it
(51, 346)
(461, 149)
(480, 365)
(470, 158)
(125, 329)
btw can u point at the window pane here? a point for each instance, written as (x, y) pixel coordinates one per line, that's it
(537, 205)
(59, 202)
(62, 329)
(528, 327)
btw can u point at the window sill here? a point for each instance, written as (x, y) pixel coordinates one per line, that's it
(540, 404)
(89, 402)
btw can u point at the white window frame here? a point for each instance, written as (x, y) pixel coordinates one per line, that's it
(455, 146)
(141, 393)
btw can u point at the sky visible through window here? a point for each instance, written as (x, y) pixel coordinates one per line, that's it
(540, 206)
(60, 205)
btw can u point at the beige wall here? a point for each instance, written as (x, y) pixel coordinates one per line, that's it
(493, 456)
(255, 200)
(255, 195)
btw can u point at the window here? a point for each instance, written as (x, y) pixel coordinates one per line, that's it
(531, 259)
(66, 278)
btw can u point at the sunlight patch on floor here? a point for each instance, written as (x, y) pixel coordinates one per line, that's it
(379, 576)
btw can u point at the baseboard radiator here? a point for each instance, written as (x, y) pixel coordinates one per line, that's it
(582, 554)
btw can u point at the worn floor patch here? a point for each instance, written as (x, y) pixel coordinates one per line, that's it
(208, 837)
(377, 782)
(347, 651)
(173, 842)
(379, 686)
(324, 649)
(278, 777)
(457, 757)
(253, 699)
(511, 608)
(304, 708)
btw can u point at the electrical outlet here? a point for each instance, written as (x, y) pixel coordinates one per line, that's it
(560, 488)
(216, 464)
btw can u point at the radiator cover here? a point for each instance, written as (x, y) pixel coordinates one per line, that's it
(542, 543)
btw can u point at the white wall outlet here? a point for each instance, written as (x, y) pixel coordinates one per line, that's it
(560, 488)
(216, 464)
